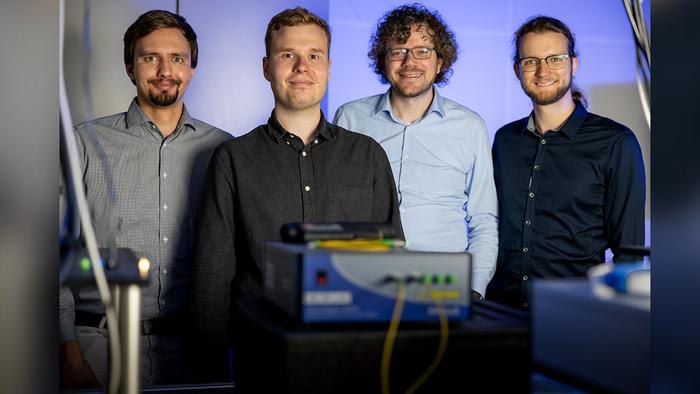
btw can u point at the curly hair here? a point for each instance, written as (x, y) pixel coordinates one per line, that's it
(396, 25)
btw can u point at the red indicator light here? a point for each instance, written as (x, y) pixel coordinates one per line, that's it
(321, 277)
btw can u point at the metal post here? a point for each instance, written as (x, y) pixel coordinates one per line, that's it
(114, 292)
(130, 329)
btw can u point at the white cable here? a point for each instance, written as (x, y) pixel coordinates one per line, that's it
(643, 54)
(643, 28)
(630, 16)
(83, 210)
(643, 97)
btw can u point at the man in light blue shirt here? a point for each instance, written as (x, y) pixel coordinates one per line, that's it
(439, 150)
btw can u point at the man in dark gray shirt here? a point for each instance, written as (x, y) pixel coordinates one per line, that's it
(143, 172)
(296, 168)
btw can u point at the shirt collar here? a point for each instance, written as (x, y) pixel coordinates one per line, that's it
(135, 116)
(437, 105)
(569, 127)
(277, 132)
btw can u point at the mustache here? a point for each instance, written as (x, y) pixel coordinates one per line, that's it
(174, 81)
(410, 68)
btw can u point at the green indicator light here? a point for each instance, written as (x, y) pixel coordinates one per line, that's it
(85, 264)
(439, 279)
(426, 279)
(451, 278)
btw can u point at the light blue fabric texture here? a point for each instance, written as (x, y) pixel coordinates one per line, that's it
(444, 175)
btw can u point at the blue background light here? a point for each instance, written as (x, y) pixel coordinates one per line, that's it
(229, 90)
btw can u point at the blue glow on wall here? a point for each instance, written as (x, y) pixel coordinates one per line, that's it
(229, 90)
(483, 78)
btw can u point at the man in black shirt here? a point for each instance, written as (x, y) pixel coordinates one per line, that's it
(296, 168)
(570, 183)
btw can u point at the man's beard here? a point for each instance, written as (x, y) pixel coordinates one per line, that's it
(413, 92)
(164, 99)
(546, 98)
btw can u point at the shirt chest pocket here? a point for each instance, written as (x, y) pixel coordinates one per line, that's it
(349, 203)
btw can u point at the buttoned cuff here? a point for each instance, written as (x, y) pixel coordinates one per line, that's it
(67, 330)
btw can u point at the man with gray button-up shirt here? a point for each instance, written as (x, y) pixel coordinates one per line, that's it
(143, 172)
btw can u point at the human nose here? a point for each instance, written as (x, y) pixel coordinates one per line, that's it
(542, 68)
(301, 65)
(164, 69)
(409, 59)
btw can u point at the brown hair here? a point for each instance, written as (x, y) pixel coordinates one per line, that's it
(151, 21)
(396, 25)
(294, 17)
(543, 24)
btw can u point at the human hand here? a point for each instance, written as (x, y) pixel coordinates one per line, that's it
(75, 370)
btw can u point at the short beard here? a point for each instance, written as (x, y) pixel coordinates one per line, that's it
(542, 99)
(164, 99)
(400, 92)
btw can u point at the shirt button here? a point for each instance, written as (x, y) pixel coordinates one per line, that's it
(525, 304)
(165, 144)
(287, 142)
(316, 141)
(307, 188)
(165, 239)
(405, 157)
(524, 277)
(402, 210)
(531, 194)
(543, 141)
(525, 249)
(165, 174)
(303, 153)
(528, 222)
(165, 271)
(537, 168)
(165, 207)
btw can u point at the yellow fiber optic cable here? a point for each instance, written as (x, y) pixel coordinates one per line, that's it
(365, 245)
(444, 335)
(391, 336)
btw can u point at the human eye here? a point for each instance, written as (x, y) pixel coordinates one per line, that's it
(397, 53)
(287, 55)
(150, 58)
(556, 59)
(530, 61)
(422, 52)
(178, 59)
